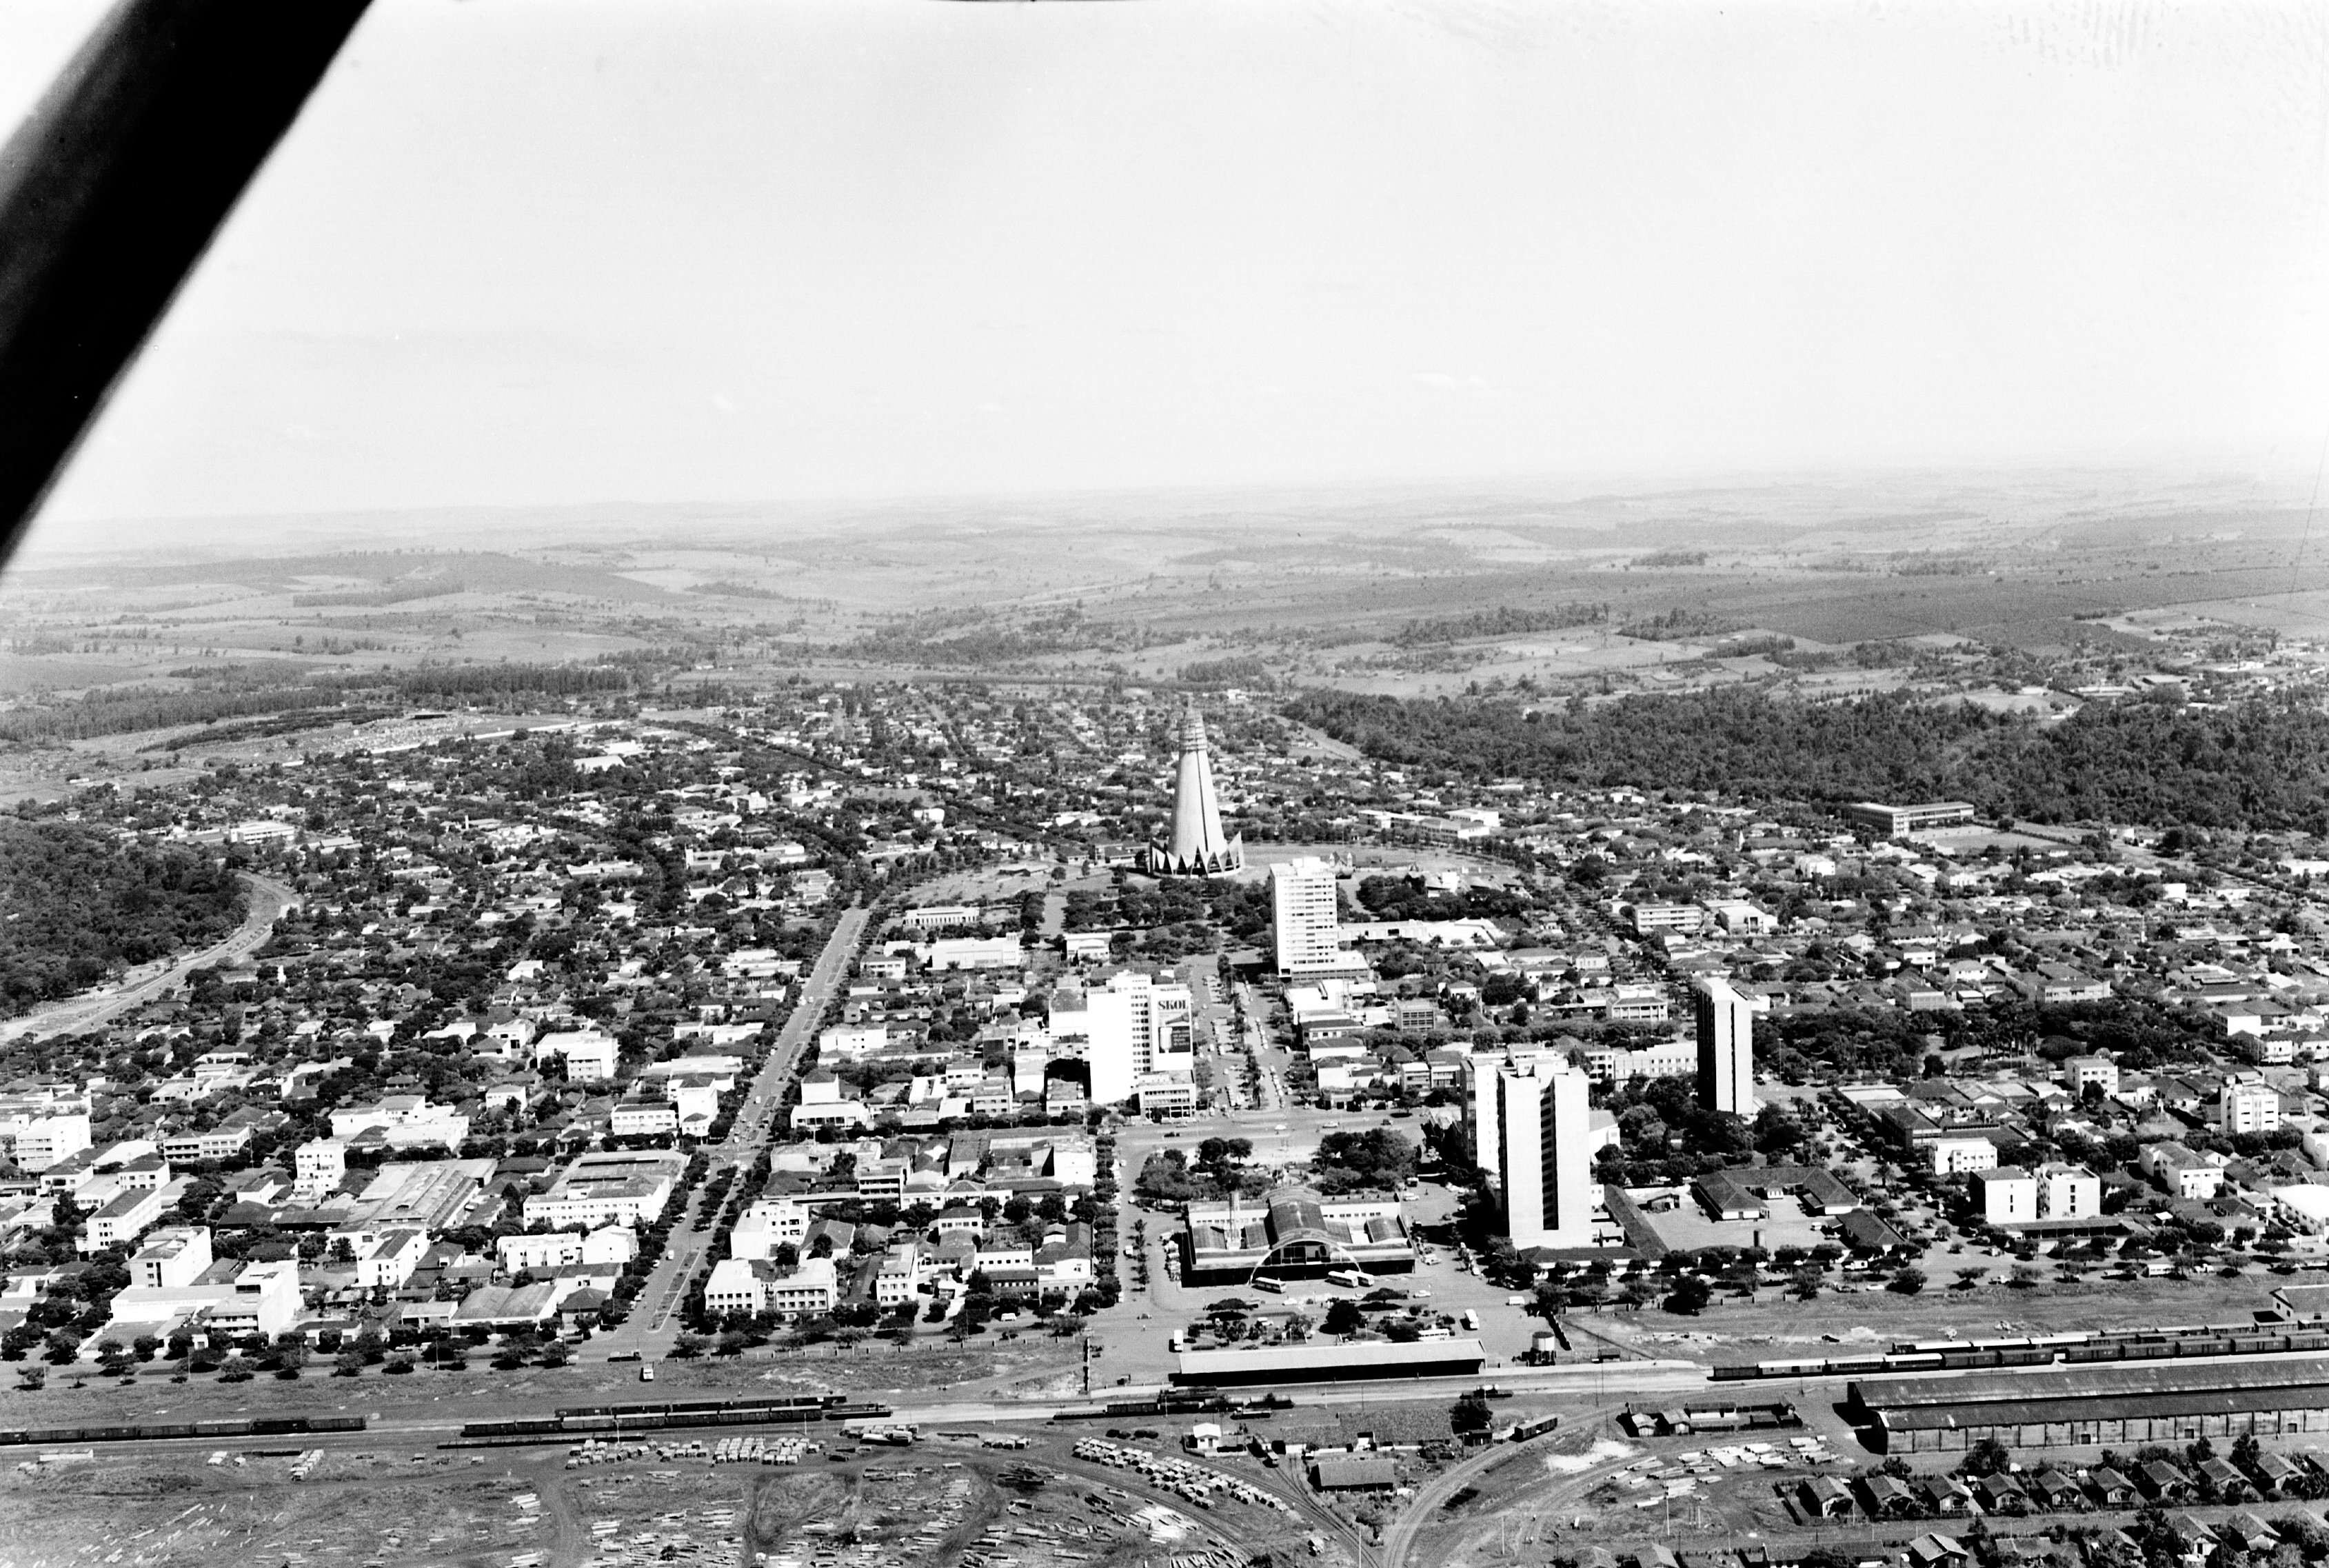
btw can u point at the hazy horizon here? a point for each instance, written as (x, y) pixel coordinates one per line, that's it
(528, 256)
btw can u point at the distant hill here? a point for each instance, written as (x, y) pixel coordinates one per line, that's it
(396, 575)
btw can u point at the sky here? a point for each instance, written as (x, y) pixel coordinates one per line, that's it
(525, 252)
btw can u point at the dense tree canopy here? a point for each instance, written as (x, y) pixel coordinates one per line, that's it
(2261, 763)
(76, 903)
(1355, 1161)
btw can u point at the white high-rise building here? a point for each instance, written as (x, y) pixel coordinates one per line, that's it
(1480, 1100)
(1305, 917)
(1123, 1031)
(1544, 1154)
(1726, 1048)
(318, 1166)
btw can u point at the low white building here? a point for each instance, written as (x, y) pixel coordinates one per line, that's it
(390, 1258)
(734, 1288)
(617, 1188)
(226, 1299)
(2068, 1192)
(766, 1224)
(405, 1121)
(540, 1250)
(220, 1143)
(1959, 1155)
(589, 1055)
(173, 1256)
(823, 1103)
(2301, 1207)
(851, 1041)
(2183, 1171)
(2247, 1105)
(41, 1141)
(124, 1217)
(643, 1119)
(2007, 1195)
(750, 1287)
(318, 1167)
(972, 953)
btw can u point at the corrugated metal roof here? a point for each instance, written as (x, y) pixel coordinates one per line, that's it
(1355, 1470)
(2050, 1412)
(2143, 1379)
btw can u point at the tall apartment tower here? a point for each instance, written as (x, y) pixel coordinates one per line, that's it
(1481, 1101)
(1123, 1030)
(1196, 846)
(1543, 1155)
(1726, 1048)
(1305, 918)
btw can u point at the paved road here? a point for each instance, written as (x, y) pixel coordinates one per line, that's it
(756, 1126)
(91, 1010)
(653, 1326)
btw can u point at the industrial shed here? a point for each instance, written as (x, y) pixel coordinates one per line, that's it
(1332, 1362)
(1354, 1473)
(2113, 1405)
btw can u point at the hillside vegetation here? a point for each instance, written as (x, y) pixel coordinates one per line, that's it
(77, 903)
(2261, 764)
(124, 710)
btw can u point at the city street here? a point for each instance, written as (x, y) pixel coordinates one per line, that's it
(653, 1323)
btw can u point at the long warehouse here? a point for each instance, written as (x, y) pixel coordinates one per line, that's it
(1363, 1361)
(2117, 1405)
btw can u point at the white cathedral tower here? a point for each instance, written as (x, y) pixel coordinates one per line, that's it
(1197, 846)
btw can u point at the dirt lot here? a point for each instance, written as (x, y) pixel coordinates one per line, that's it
(857, 1508)
(186, 1512)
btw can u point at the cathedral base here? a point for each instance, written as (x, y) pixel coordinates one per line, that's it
(1158, 860)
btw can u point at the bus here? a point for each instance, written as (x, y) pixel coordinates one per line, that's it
(1471, 1321)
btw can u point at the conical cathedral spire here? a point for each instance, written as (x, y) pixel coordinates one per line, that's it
(1197, 845)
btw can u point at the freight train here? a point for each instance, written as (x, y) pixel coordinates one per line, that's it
(2075, 1349)
(1178, 1403)
(261, 1426)
(815, 1402)
(607, 1419)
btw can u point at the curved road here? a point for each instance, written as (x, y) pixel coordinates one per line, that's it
(79, 1014)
